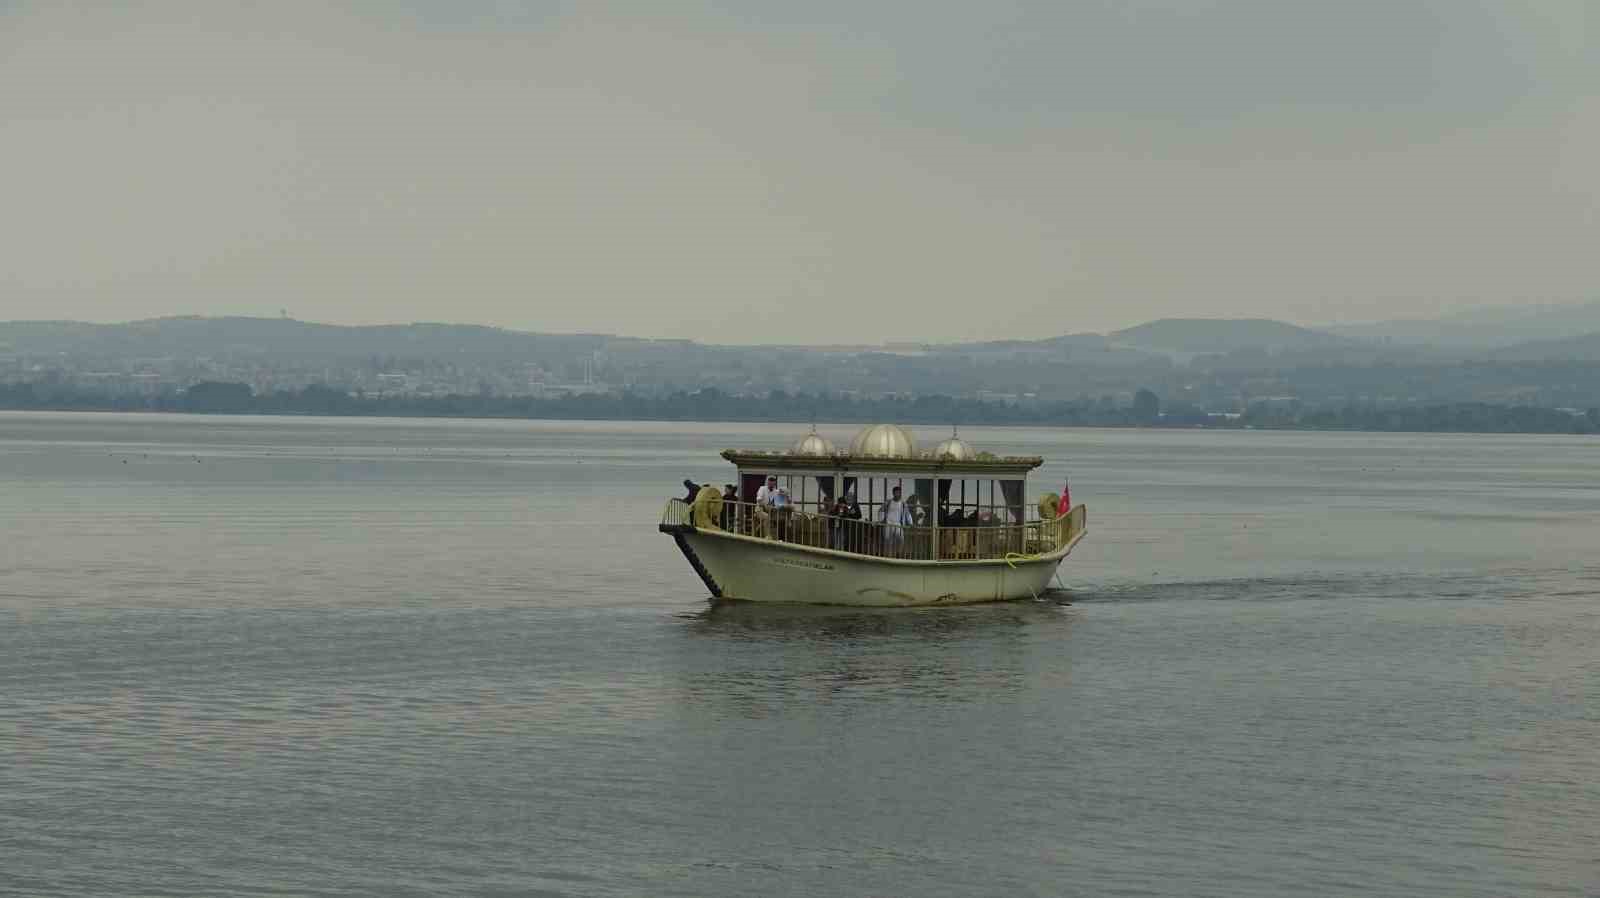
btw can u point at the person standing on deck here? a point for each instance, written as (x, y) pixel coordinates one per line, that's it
(730, 507)
(846, 514)
(782, 510)
(837, 512)
(896, 517)
(765, 498)
(691, 489)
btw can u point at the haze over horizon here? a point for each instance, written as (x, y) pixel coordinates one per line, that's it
(1488, 318)
(769, 174)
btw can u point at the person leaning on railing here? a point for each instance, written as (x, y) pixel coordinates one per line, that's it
(730, 507)
(692, 490)
(842, 517)
(765, 497)
(782, 513)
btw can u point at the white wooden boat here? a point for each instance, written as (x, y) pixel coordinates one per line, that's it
(971, 535)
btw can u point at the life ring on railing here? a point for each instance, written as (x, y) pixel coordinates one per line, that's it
(706, 513)
(1047, 506)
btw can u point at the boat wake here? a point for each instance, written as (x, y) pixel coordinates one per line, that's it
(1453, 585)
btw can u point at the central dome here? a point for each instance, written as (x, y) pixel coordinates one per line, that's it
(812, 443)
(955, 448)
(884, 441)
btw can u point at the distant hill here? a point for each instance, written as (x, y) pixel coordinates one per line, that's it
(1582, 348)
(1222, 335)
(1095, 350)
(1212, 364)
(1483, 328)
(192, 337)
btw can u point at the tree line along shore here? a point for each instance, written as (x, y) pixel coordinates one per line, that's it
(1146, 409)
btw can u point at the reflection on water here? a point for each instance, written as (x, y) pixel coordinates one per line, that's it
(810, 622)
(762, 659)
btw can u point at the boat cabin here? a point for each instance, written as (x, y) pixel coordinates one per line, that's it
(951, 477)
(950, 488)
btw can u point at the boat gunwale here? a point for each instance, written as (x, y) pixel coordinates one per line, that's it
(1016, 560)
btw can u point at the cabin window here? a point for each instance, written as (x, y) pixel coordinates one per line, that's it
(1011, 491)
(824, 491)
(874, 492)
(807, 492)
(749, 485)
(967, 501)
(922, 493)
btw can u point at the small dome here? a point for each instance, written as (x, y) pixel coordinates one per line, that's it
(884, 441)
(812, 443)
(956, 448)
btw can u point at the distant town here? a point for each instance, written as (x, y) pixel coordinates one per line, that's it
(1172, 372)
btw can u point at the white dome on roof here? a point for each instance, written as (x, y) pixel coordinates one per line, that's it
(812, 443)
(956, 448)
(884, 441)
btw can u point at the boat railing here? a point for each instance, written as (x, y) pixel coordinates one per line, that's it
(987, 540)
(676, 514)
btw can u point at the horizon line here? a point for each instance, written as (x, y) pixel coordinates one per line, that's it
(887, 345)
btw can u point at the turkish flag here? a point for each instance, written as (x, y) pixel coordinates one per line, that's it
(1066, 499)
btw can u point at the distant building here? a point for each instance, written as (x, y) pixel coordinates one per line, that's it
(590, 389)
(395, 383)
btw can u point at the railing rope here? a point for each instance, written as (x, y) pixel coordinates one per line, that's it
(984, 541)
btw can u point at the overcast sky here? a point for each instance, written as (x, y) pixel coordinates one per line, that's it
(798, 171)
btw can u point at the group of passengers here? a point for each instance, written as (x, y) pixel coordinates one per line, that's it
(897, 528)
(773, 503)
(772, 513)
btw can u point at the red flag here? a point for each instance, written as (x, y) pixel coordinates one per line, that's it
(1066, 499)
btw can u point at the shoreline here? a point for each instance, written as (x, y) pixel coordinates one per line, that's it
(909, 420)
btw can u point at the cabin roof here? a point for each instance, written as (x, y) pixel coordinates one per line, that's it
(941, 466)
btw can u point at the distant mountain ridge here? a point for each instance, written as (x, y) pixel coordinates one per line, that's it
(1483, 328)
(1221, 335)
(1166, 338)
(1582, 348)
(196, 336)
(1219, 365)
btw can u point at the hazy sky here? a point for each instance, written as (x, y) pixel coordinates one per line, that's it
(787, 171)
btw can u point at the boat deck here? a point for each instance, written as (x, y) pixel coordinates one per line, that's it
(984, 541)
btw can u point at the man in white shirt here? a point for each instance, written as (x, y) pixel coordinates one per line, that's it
(896, 517)
(765, 498)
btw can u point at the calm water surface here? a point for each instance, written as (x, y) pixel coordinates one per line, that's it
(246, 656)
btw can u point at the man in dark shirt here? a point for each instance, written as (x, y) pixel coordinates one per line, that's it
(730, 507)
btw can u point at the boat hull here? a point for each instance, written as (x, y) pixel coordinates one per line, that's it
(737, 567)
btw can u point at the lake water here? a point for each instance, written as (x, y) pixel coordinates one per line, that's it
(247, 656)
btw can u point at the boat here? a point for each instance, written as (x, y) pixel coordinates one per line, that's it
(817, 525)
